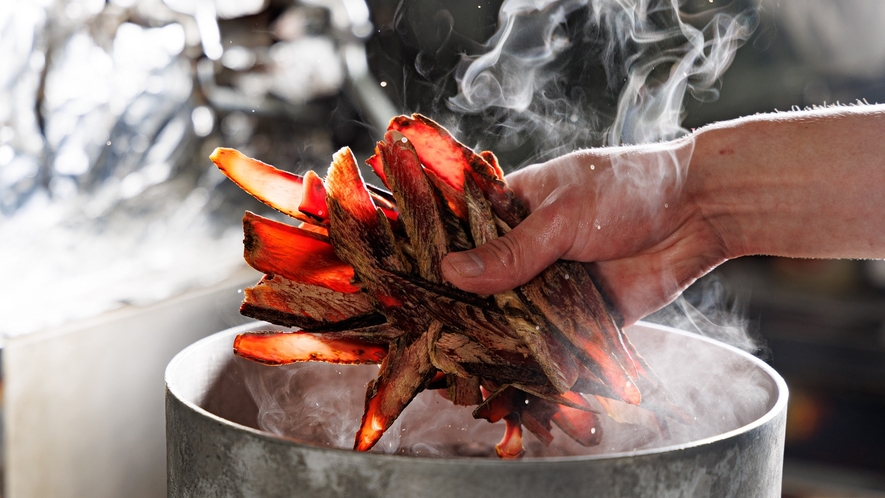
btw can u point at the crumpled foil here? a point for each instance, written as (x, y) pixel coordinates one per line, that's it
(108, 112)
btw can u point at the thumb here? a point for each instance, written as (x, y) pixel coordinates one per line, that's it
(512, 259)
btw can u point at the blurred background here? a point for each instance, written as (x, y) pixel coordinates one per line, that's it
(117, 233)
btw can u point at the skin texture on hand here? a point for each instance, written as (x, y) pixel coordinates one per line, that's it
(654, 218)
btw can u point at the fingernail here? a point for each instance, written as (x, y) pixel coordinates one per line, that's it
(466, 264)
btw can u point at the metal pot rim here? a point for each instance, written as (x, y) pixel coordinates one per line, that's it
(778, 406)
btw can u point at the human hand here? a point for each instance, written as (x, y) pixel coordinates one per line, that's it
(628, 210)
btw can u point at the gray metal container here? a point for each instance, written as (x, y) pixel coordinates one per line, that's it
(213, 449)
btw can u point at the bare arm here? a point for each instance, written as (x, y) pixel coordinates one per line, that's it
(655, 218)
(805, 184)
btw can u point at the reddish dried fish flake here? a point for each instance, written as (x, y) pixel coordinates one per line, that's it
(281, 348)
(299, 255)
(279, 300)
(313, 202)
(345, 184)
(492, 159)
(377, 165)
(510, 447)
(582, 425)
(278, 189)
(405, 372)
(420, 214)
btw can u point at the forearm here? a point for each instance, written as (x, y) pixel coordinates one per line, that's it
(798, 184)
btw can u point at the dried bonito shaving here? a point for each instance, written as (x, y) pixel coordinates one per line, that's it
(361, 279)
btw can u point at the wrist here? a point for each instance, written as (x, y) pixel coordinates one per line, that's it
(715, 187)
(797, 184)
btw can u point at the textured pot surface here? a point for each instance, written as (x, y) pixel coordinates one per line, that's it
(210, 455)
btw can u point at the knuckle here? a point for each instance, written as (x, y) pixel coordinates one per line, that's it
(509, 254)
(562, 216)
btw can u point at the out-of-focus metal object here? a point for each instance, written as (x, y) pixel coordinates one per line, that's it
(108, 112)
(350, 19)
(301, 64)
(214, 449)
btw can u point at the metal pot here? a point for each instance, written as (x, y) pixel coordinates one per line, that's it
(214, 449)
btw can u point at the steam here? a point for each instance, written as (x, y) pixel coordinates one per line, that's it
(322, 404)
(646, 51)
(513, 70)
(708, 309)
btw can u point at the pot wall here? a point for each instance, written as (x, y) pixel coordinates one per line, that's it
(210, 456)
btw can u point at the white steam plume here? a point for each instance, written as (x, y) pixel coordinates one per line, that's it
(322, 404)
(644, 50)
(511, 72)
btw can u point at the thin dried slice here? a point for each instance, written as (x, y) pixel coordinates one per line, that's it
(414, 198)
(278, 189)
(313, 202)
(548, 350)
(361, 237)
(463, 391)
(405, 372)
(280, 348)
(582, 425)
(461, 388)
(492, 159)
(505, 403)
(438, 150)
(279, 249)
(590, 383)
(459, 354)
(555, 294)
(382, 333)
(377, 166)
(279, 300)
(502, 401)
(444, 358)
(595, 307)
(537, 418)
(345, 184)
(452, 161)
(510, 447)
(565, 399)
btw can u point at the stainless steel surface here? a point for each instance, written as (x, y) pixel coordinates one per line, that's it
(208, 455)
